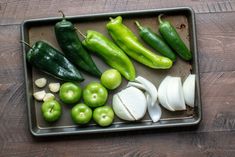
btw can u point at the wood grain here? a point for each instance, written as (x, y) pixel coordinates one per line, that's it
(215, 136)
(15, 11)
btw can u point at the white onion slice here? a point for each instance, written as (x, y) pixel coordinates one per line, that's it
(174, 94)
(162, 94)
(189, 90)
(150, 88)
(154, 111)
(137, 85)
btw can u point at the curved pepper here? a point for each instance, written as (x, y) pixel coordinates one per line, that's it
(172, 38)
(129, 43)
(46, 58)
(71, 45)
(155, 41)
(111, 53)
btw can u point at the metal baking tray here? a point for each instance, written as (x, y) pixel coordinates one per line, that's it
(42, 29)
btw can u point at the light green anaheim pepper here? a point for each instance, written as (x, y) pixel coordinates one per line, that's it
(130, 44)
(110, 53)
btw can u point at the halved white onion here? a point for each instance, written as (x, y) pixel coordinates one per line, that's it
(130, 102)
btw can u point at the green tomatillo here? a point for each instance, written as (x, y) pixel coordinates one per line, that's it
(111, 79)
(81, 114)
(51, 110)
(70, 93)
(103, 116)
(95, 95)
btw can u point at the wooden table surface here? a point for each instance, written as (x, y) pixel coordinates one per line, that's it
(215, 136)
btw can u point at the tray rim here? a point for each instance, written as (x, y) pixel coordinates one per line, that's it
(104, 130)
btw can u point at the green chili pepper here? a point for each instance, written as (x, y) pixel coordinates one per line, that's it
(46, 58)
(172, 38)
(155, 41)
(111, 53)
(71, 45)
(129, 43)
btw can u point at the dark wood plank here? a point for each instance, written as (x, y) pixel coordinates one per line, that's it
(14, 12)
(144, 144)
(216, 38)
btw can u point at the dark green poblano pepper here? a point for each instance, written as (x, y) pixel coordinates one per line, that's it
(48, 59)
(71, 45)
(130, 44)
(173, 39)
(111, 53)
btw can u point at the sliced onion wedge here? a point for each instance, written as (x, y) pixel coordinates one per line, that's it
(174, 94)
(162, 94)
(137, 85)
(189, 90)
(154, 111)
(150, 88)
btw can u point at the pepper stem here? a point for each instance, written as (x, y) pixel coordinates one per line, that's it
(27, 44)
(159, 18)
(60, 11)
(110, 18)
(138, 25)
(83, 35)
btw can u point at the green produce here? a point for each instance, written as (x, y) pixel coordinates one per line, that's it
(103, 116)
(95, 95)
(172, 38)
(155, 41)
(51, 110)
(130, 44)
(70, 93)
(111, 79)
(71, 45)
(46, 58)
(81, 114)
(111, 53)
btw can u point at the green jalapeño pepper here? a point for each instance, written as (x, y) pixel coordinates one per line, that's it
(130, 44)
(70, 44)
(172, 38)
(46, 58)
(155, 41)
(111, 53)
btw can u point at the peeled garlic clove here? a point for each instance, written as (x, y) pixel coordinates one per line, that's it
(48, 96)
(54, 87)
(174, 94)
(132, 101)
(150, 88)
(39, 95)
(41, 82)
(162, 93)
(189, 90)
